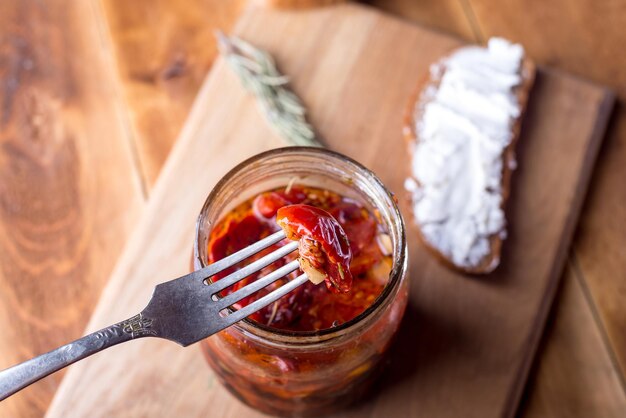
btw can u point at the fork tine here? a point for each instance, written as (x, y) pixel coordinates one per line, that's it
(265, 300)
(241, 255)
(258, 284)
(253, 267)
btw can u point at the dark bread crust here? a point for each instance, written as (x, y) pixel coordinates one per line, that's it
(414, 112)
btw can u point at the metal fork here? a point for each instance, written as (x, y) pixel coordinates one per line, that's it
(183, 310)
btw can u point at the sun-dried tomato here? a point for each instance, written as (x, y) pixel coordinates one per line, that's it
(358, 223)
(266, 204)
(309, 307)
(324, 246)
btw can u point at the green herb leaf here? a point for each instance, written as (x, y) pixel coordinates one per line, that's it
(259, 75)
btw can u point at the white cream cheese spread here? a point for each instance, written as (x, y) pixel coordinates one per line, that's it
(464, 127)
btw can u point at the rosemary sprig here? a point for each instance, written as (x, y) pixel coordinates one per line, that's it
(257, 71)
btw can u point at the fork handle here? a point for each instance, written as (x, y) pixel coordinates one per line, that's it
(24, 374)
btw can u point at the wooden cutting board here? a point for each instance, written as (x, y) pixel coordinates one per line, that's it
(466, 343)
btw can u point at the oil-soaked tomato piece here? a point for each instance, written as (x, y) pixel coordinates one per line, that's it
(308, 307)
(274, 364)
(286, 310)
(234, 236)
(323, 246)
(266, 204)
(366, 258)
(359, 225)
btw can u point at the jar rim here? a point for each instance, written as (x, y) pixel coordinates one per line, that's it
(307, 337)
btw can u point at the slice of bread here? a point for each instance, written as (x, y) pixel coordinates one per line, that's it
(425, 92)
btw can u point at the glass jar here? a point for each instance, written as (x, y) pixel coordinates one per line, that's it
(315, 372)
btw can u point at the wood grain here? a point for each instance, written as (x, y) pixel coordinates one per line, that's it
(581, 36)
(586, 38)
(163, 50)
(295, 4)
(576, 353)
(600, 245)
(69, 193)
(473, 350)
(450, 16)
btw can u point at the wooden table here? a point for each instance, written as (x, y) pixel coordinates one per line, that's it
(93, 93)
